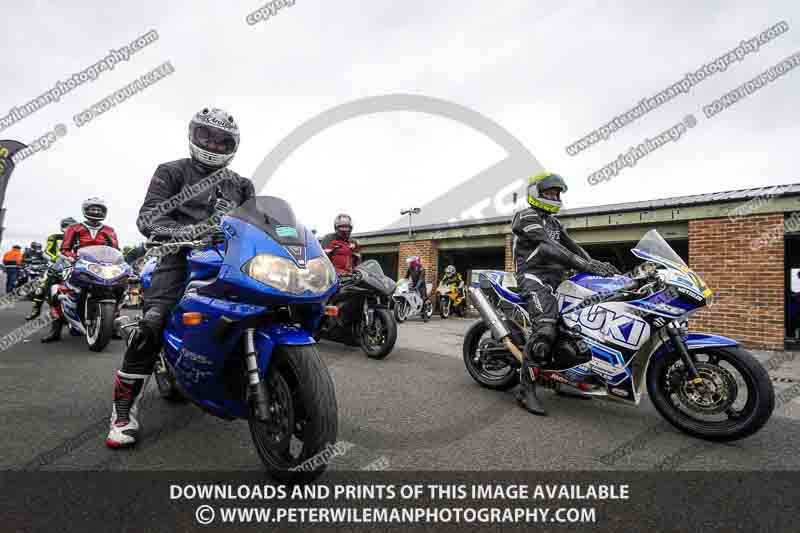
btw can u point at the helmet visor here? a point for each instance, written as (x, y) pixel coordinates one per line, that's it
(213, 140)
(95, 212)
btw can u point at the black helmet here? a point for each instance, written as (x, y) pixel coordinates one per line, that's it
(36, 246)
(66, 222)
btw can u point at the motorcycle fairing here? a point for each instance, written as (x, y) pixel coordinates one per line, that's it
(249, 242)
(698, 341)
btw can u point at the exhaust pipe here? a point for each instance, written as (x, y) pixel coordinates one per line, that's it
(492, 319)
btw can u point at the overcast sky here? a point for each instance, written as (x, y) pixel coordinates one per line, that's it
(548, 72)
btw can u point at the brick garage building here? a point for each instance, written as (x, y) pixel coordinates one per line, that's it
(745, 244)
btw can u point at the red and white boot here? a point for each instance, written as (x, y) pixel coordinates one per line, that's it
(124, 428)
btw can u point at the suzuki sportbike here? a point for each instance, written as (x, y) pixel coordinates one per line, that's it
(619, 333)
(408, 303)
(362, 317)
(451, 299)
(94, 287)
(239, 342)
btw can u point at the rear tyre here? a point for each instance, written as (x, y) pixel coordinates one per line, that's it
(427, 310)
(379, 342)
(734, 400)
(99, 324)
(490, 372)
(294, 444)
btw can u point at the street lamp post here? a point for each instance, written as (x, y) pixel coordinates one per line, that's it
(409, 212)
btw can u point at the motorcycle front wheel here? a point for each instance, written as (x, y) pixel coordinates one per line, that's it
(734, 400)
(378, 341)
(444, 307)
(400, 311)
(99, 324)
(296, 444)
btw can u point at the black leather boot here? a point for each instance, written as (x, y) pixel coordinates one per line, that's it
(55, 331)
(37, 309)
(527, 391)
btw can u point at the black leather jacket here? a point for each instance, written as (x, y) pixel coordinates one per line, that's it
(543, 248)
(193, 198)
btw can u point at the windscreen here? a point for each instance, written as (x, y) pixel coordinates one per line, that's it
(371, 266)
(101, 254)
(653, 244)
(274, 216)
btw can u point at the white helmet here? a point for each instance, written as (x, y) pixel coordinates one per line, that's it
(213, 137)
(450, 270)
(94, 211)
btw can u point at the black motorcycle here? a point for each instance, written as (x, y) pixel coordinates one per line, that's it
(30, 272)
(363, 318)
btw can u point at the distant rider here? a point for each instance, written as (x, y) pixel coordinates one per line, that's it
(343, 251)
(52, 250)
(452, 279)
(416, 276)
(213, 141)
(54, 240)
(543, 251)
(12, 263)
(90, 232)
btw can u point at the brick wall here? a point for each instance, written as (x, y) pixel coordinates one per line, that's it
(427, 252)
(509, 254)
(747, 278)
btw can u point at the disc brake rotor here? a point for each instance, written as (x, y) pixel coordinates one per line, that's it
(282, 424)
(715, 394)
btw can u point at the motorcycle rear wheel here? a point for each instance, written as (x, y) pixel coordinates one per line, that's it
(506, 378)
(427, 311)
(302, 403)
(683, 405)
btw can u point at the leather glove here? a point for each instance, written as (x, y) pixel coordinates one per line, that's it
(222, 206)
(600, 268)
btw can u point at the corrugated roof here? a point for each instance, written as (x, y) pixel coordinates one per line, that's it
(646, 205)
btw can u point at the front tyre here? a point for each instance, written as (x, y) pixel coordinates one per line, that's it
(298, 440)
(400, 311)
(378, 341)
(734, 400)
(444, 308)
(99, 324)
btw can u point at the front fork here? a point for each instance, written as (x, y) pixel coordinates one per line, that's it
(676, 337)
(256, 390)
(369, 315)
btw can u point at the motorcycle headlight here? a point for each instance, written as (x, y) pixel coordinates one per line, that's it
(106, 271)
(283, 275)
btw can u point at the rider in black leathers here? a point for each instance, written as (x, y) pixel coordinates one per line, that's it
(53, 250)
(543, 251)
(213, 140)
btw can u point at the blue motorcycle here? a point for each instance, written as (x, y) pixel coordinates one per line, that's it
(618, 333)
(239, 343)
(92, 292)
